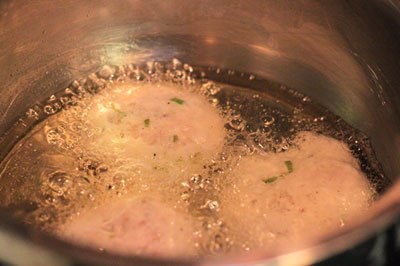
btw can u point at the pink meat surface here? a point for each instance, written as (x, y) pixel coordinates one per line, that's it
(142, 226)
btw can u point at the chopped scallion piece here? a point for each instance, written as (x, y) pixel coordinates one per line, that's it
(289, 166)
(177, 100)
(117, 110)
(175, 138)
(147, 122)
(270, 180)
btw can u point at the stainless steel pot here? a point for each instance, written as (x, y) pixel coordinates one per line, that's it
(343, 54)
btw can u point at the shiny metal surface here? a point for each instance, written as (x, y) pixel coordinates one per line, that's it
(343, 54)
